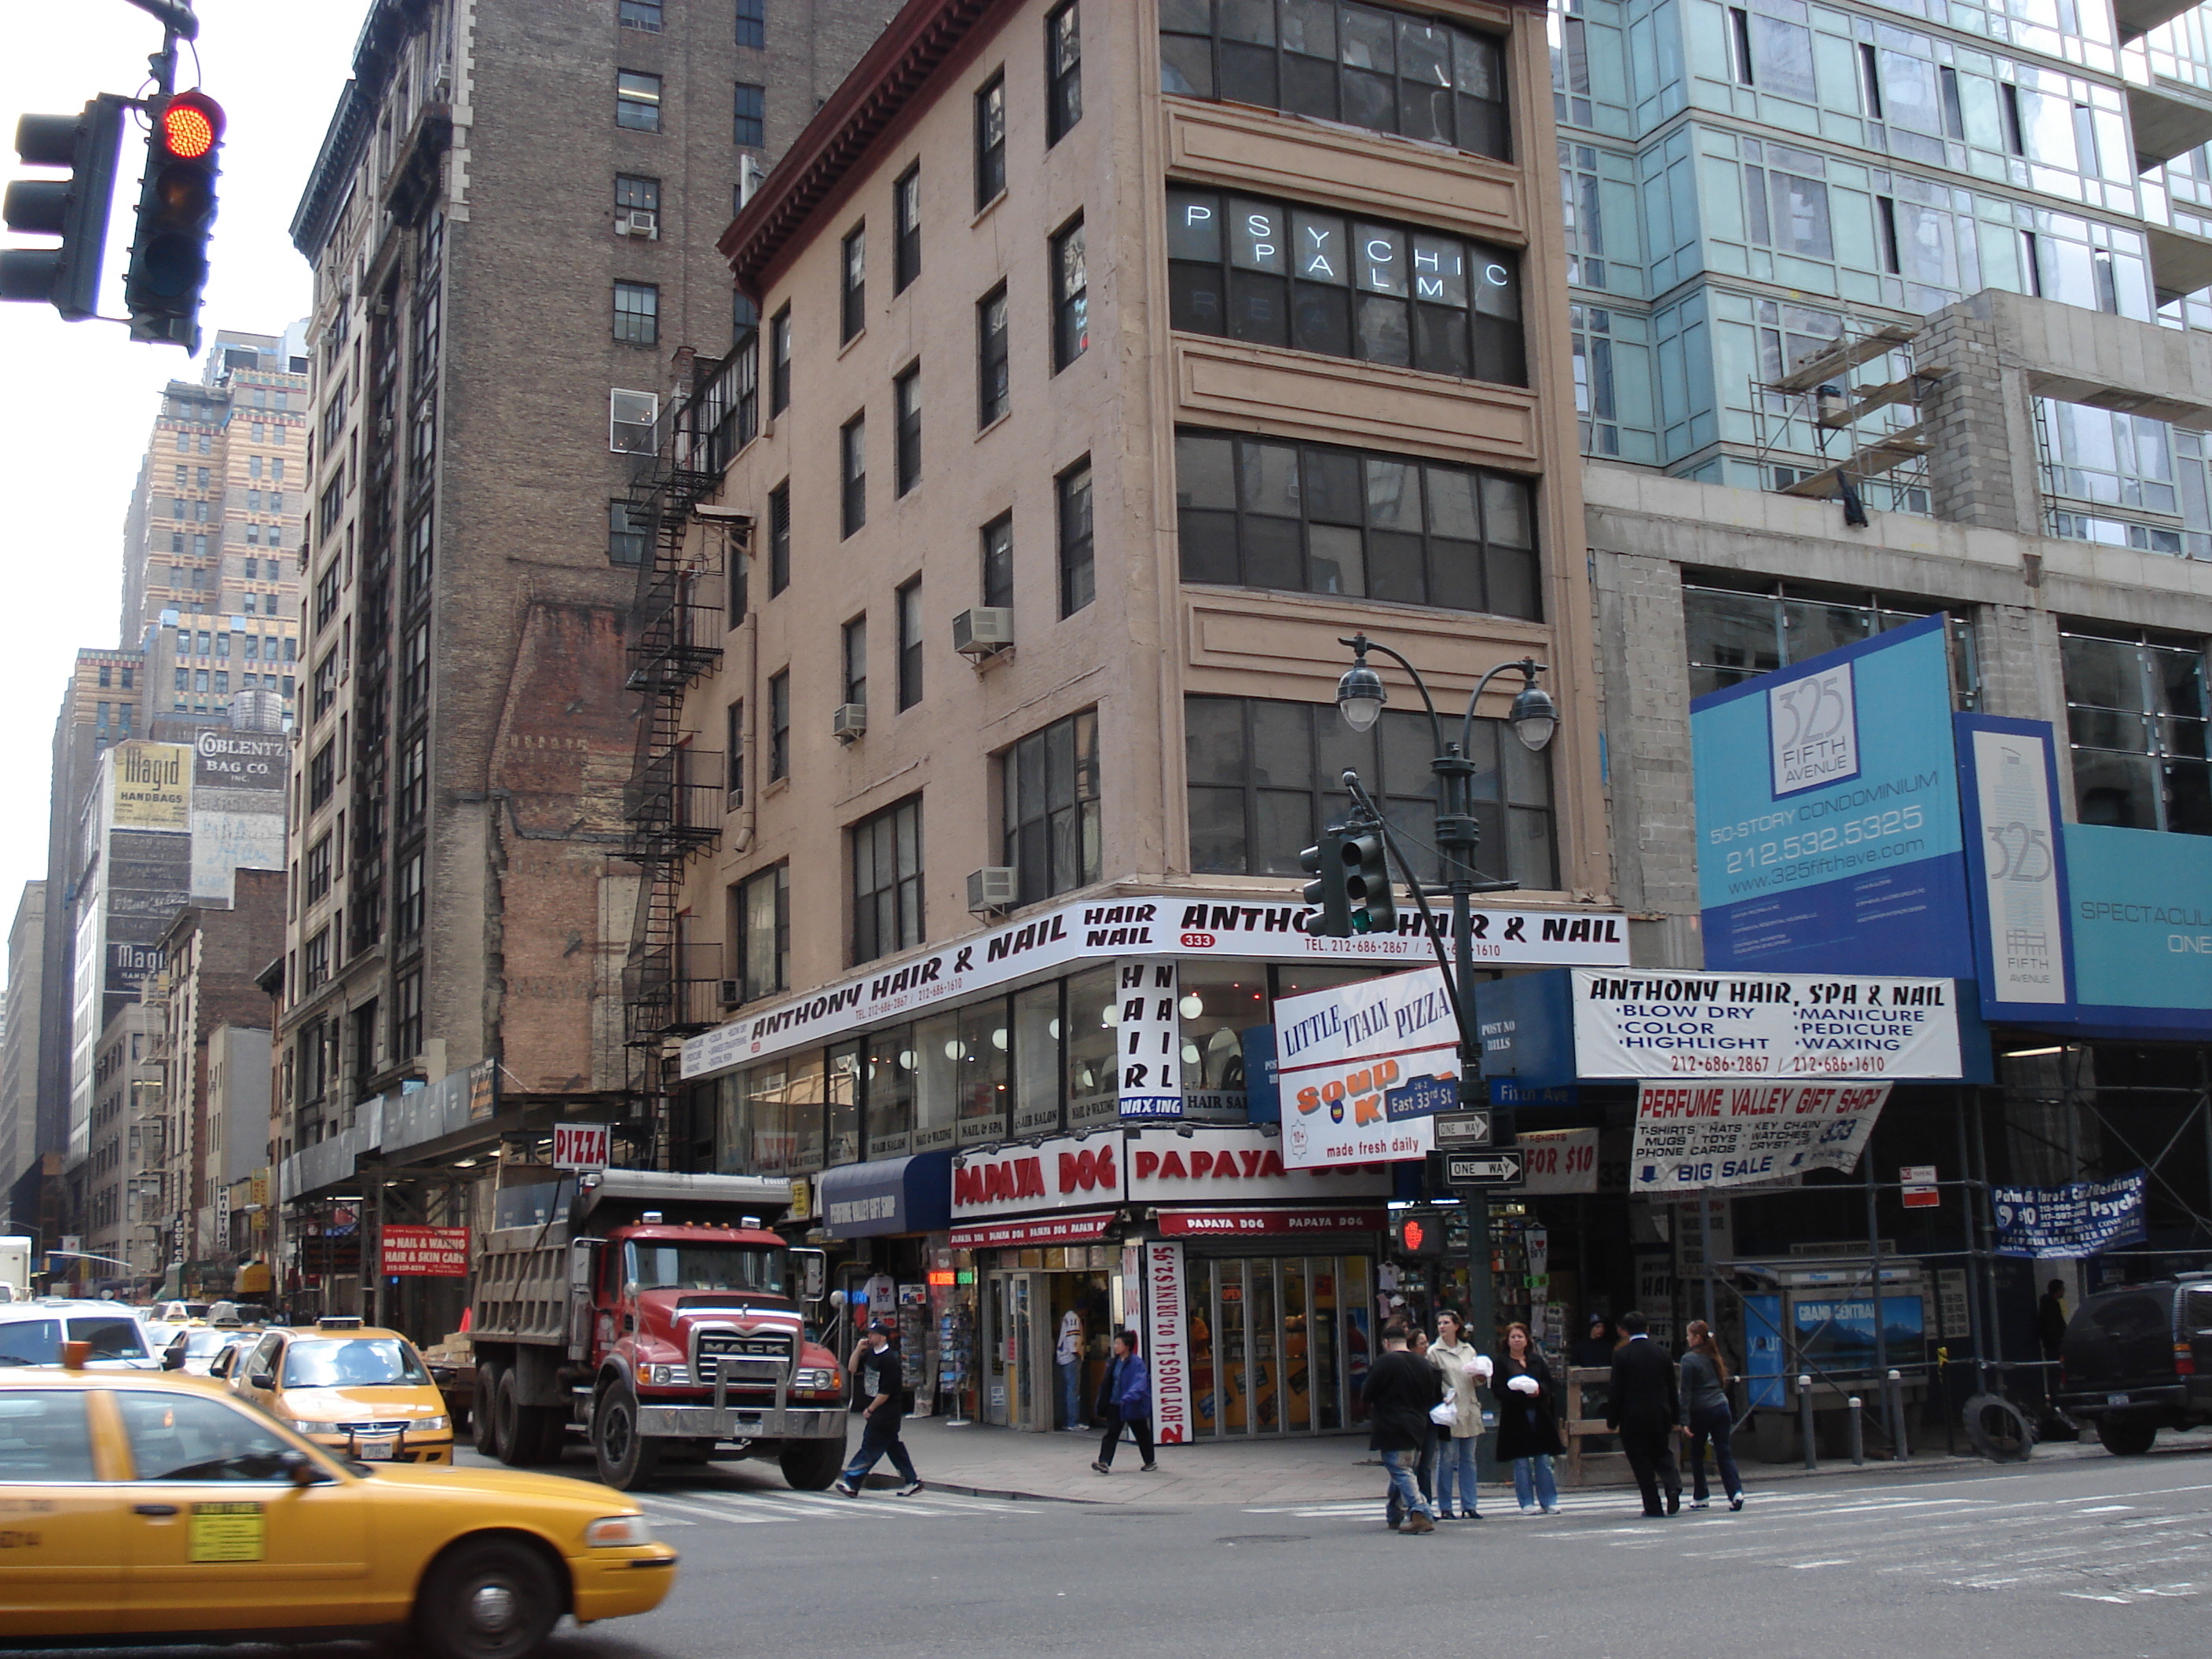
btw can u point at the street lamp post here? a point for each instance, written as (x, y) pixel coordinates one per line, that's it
(1360, 698)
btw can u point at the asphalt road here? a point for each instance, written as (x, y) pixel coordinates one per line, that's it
(2098, 1556)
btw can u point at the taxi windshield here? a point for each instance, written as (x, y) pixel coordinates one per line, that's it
(360, 1363)
(654, 1266)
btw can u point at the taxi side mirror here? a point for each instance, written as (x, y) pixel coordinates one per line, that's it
(298, 1468)
(173, 1360)
(263, 1380)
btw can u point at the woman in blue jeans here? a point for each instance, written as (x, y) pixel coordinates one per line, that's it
(1705, 1403)
(1454, 1447)
(1528, 1429)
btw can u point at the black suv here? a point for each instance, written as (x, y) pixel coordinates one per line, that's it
(2138, 1360)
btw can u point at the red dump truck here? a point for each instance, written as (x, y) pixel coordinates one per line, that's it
(658, 1313)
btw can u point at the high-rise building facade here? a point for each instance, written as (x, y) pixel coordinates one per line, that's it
(19, 1052)
(494, 320)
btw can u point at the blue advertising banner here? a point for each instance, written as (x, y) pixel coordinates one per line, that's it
(1828, 826)
(2080, 1218)
(2015, 866)
(2141, 909)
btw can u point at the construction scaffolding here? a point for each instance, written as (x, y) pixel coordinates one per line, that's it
(1817, 396)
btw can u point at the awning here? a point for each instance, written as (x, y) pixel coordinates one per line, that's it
(1244, 1222)
(1038, 1229)
(893, 1195)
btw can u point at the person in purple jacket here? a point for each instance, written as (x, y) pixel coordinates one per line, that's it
(1126, 1399)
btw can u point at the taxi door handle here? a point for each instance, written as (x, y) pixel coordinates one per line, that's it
(154, 1509)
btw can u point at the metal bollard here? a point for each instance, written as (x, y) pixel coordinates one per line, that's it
(1901, 1450)
(1805, 1420)
(1858, 1430)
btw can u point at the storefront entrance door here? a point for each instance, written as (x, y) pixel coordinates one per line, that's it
(1018, 1372)
(1278, 1345)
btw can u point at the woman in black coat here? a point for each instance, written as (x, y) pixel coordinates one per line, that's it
(1528, 1431)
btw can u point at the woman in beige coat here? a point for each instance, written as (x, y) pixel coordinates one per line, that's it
(1461, 1369)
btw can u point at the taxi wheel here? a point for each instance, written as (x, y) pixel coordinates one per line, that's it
(626, 1459)
(483, 1415)
(497, 1598)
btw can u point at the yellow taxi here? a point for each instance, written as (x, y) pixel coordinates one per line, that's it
(163, 1509)
(350, 1387)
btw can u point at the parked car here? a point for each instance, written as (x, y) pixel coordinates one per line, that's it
(2139, 1360)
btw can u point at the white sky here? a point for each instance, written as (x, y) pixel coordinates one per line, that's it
(81, 397)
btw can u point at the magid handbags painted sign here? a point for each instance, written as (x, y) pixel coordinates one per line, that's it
(1352, 1064)
(1828, 831)
(1058, 1175)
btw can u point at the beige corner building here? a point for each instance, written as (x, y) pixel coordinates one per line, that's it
(1118, 361)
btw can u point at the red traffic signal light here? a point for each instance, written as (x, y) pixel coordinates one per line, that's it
(191, 125)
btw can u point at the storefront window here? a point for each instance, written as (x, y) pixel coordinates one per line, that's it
(890, 1072)
(757, 1133)
(985, 1039)
(842, 1097)
(803, 1112)
(1221, 1000)
(1036, 1061)
(1093, 1096)
(937, 1078)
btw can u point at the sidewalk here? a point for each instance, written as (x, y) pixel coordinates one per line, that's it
(993, 1463)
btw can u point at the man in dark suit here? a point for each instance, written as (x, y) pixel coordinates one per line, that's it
(1645, 1407)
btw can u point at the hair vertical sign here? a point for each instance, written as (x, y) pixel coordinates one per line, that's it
(1165, 1317)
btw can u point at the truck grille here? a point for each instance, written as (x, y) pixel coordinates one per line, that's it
(741, 1358)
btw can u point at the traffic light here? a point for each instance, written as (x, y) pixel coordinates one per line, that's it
(74, 207)
(1367, 883)
(176, 212)
(1333, 862)
(1417, 1235)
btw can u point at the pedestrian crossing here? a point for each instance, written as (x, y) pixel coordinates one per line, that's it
(701, 1506)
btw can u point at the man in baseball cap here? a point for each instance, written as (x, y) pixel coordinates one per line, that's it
(878, 1368)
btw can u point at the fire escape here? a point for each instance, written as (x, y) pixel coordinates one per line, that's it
(673, 807)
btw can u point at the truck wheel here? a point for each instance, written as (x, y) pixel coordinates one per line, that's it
(518, 1426)
(812, 1465)
(626, 1459)
(484, 1412)
(2126, 1437)
(494, 1599)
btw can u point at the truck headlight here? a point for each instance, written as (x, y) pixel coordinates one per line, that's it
(816, 1380)
(665, 1376)
(617, 1532)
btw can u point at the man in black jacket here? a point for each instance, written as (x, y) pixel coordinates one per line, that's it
(1645, 1407)
(1399, 1390)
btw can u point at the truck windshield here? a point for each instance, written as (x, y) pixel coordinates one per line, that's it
(360, 1363)
(655, 1267)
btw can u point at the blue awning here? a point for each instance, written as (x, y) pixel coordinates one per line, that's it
(893, 1195)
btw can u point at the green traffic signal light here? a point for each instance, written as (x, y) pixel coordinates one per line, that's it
(1368, 897)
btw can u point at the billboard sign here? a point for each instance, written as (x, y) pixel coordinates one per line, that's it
(153, 786)
(1827, 813)
(2080, 1218)
(1693, 1136)
(1342, 1055)
(2140, 910)
(2015, 866)
(424, 1252)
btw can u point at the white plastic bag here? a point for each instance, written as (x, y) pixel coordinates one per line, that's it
(1478, 1368)
(1444, 1414)
(1523, 1383)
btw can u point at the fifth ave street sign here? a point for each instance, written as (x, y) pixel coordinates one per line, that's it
(1496, 1169)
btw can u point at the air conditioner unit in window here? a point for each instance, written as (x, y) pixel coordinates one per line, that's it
(850, 721)
(730, 997)
(991, 889)
(638, 222)
(984, 631)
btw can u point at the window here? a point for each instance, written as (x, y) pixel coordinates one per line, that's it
(745, 383)
(1071, 297)
(990, 145)
(1078, 580)
(633, 191)
(318, 869)
(1788, 203)
(107, 674)
(1734, 634)
(415, 668)
(2137, 711)
(779, 724)
(327, 685)
(763, 903)
(637, 314)
(909, 603)
(637, 102)
(1262, 513)
(1063, 72)
(853, 473)
(752, 24)
(1051, 780)
(779, 362)
(906, 229)
(855, 659)
(406, 1016)
(993, 391)
(315, 968)
(641, 14)
(733, 745)
(626, 532)
(407, 898)
(906, 397)
(887, 881)
(200, 1440)
(998, 539)
(631, 417)
(852, 303)
(1264, 780)
(778, 539)
(750, 129)
(1353, 63)
(1275, 274)
(412, 792)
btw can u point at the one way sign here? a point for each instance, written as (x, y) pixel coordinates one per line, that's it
(1496, 1169)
